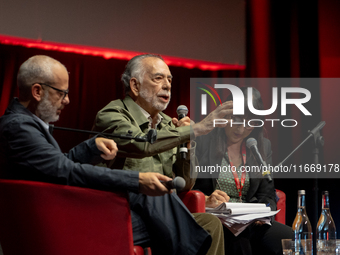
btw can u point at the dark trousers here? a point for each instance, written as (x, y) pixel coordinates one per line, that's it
(257, 239)
(166, 225)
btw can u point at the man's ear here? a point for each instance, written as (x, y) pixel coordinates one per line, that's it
(37, 92)
(134, 86)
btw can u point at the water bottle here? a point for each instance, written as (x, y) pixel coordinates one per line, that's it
(325, 229)
(303, 234)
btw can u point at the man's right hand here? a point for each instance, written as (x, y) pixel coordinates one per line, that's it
(149, 184)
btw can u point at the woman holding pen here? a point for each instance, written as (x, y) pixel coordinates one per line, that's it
(226, 147)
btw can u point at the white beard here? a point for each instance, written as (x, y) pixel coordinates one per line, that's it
(46, 110)
(153, 100)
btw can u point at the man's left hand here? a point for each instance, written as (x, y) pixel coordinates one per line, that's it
(186, 121)
(108, 147)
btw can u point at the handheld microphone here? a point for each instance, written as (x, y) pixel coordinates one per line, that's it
(252, 145)
(177, 183)
(182, 111)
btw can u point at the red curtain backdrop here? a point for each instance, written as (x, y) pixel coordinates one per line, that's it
(300, 39)
(284, 39)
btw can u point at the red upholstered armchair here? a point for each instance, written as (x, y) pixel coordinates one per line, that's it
(48, 219)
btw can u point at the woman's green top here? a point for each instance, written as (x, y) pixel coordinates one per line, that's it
(226, 182)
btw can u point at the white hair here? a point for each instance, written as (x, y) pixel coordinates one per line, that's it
(135, 68)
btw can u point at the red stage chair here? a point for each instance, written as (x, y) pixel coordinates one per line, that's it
(46, 219)
(194, 201)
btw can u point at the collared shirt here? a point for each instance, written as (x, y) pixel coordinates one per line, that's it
(148, 116)
(45, 125)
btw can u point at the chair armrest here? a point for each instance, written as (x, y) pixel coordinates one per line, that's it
(194, 201)
(281, 205)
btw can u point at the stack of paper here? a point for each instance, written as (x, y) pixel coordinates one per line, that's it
(237, 216)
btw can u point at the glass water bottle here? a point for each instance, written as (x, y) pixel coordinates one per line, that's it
(303, 234)
(325, 229)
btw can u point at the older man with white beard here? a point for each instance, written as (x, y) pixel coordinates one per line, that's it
(147, 83)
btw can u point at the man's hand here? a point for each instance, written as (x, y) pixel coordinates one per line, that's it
(182, 122)
(149, 184)
(186, 121)
(108, 147)
(207, 124)
(216, 198)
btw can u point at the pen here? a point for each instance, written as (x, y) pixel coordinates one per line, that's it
(219, 186)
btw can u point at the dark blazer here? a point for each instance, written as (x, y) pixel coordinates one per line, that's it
(208, 154)
(29, 152)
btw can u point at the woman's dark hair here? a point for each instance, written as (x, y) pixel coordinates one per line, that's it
(257, 132)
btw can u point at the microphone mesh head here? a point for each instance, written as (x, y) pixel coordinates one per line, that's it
(179, 183)
(182, 109)
(251, 142)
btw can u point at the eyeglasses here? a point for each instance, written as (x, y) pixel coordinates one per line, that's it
(65, 92)
(248, 124)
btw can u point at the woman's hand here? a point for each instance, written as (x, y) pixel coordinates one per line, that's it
(258, 223)
(216, 198)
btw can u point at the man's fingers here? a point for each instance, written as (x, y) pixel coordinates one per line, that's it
(149, 184)
(105, 150)
(105, 145)
(162, 177)
(225, 109)
(161, 188)
(175, 121)
(227, 104)
(183, 122)
(109, 156)
(108, 147)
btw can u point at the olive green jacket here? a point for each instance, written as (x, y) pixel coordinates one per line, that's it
(119, 116)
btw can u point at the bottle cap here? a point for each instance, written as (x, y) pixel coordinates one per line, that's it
(325, 193)
(301, 192)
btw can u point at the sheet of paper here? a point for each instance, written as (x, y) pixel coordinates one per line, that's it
(239, 208)
(237, 223)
